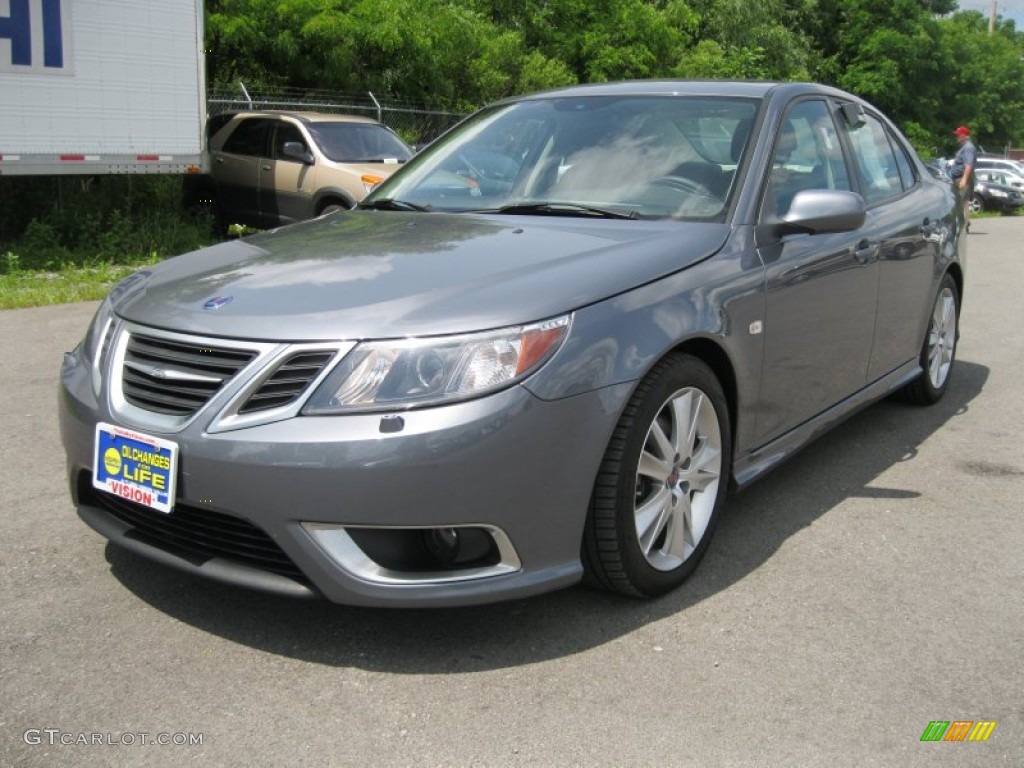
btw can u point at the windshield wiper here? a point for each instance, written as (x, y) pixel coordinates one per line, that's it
(391, 204)
(562, 209)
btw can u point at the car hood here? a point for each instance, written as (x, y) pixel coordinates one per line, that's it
(382, 274)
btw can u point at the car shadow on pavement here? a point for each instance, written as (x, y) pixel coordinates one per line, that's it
(756, 522)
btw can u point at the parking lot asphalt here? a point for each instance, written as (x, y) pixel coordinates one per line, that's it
(870, 586)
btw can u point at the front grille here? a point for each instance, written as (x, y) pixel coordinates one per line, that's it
(175, 377)
(287, 382)
(196, 534)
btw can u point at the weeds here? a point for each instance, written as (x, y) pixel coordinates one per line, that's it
(71, 238)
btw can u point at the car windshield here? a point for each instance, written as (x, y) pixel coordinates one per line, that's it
(635, 157)
(358, 142)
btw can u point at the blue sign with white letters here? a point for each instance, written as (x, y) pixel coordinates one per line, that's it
(34, 37)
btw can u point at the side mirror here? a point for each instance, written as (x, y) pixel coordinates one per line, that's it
(821, 211)
(852, 113)
(295, 150)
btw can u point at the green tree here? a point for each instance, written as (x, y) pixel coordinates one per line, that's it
(445, 53)
(984, 87)
(888, 54)
(601, 40)
(739, 39)
(921, 61)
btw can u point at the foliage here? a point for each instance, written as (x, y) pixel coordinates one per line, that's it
(922, 61)
(53, 221)
(986, 88)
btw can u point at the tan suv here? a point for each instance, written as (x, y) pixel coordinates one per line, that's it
(272, 168)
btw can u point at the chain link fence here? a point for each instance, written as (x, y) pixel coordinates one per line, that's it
(414, 123)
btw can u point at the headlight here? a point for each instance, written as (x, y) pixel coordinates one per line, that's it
(94, 344)
(404, 373)
(997, 193)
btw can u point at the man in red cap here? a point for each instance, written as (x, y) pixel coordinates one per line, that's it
(963, 169)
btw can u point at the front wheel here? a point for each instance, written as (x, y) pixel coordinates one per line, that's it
(977, 204)
(333, 206)
(662, 482)
(939, 349)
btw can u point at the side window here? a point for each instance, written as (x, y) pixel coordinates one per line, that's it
(906, 169)
(249, 138)
(283, 133)
(877, 168)
(807, 155)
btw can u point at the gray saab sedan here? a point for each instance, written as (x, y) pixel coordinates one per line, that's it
(541, 352)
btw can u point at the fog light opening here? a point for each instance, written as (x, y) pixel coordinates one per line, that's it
(393, 555)
(442, 544)
(459, 546)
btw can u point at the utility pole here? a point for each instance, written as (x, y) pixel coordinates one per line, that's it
(992, 20)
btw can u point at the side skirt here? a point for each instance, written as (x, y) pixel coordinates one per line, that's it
(752, 465)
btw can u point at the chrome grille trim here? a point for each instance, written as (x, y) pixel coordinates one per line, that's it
(162, 380)
(280, 391)
(176, 377)
(289, 380)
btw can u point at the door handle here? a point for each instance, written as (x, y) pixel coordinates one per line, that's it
(930, 229)
(865, 251)
(265, 167)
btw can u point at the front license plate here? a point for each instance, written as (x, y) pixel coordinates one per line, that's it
(134, 466)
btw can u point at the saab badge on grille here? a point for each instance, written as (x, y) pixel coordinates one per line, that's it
(217, 302)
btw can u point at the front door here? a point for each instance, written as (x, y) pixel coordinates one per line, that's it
(821, 290)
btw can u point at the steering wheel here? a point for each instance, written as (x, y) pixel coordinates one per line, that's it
(477, 173)
(682, 184)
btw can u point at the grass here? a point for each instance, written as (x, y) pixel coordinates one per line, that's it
(69, 238)
(21, 288)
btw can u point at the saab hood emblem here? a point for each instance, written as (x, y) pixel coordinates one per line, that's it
(217, 302)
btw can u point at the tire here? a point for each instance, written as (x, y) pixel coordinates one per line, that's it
(662, 482)
(333, 206)
(977, 204)
(939, 349)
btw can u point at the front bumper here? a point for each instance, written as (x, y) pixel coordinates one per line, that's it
(520, 468)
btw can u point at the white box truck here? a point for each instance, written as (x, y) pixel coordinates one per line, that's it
(102, 86)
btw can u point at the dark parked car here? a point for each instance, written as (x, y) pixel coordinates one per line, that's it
(544, 348)
(272, 168)
(993, 193)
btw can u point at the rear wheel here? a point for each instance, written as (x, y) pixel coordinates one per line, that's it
(939, 349)
(662, 482)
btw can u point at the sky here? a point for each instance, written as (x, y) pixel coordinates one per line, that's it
(1008, 9)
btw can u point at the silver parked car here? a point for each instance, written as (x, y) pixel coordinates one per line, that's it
(544, 349)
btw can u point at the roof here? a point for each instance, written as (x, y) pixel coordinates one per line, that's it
(754, 89)
(306, 116)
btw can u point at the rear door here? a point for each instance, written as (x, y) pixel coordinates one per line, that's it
(905, 216)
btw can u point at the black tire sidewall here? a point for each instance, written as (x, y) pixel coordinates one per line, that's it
(931, 393)
(672, 375)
